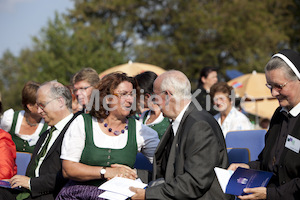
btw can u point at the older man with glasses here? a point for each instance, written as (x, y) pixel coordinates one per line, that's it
(193, 144)
(44, 178)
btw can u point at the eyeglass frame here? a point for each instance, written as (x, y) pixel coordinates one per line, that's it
(277, 87)
(166, 92)
(82, 88)
(43, 106)
(124, 95)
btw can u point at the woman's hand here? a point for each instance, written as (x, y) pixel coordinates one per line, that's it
(234, 166)
(254, 193)
(120, 171)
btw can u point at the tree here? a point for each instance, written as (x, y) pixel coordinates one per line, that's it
(57, 53)
(173, 34)
(10, 83)
(64, 49)
(228, 34)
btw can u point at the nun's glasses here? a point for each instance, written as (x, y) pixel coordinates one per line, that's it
(276, 87)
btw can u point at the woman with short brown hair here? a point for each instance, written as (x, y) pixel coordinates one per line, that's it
(27, 125)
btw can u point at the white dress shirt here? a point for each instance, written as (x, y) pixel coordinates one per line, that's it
(59, 127)
(178, 119)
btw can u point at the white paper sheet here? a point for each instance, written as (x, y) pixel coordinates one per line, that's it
(223, 176)
(112, 196)
(119, 185)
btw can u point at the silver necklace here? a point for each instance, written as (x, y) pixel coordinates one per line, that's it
(29, 123)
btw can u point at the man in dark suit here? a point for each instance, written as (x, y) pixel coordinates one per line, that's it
(43, 178)
(184, 166)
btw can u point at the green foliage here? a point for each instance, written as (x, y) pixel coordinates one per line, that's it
(173, 34)
(237, 34)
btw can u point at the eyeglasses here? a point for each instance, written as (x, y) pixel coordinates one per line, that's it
(125, 95)
(157, 98)
(277, 87)
(166, 92)
(81, 89)
(43, 106)
(220, 98)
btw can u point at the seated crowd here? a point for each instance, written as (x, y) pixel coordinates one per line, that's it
(85, 134)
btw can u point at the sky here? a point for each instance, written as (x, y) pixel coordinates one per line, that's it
(20, 20)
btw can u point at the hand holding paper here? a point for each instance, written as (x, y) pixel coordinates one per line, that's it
(139, 193)
(234, 183)
(120, 186)
(254, 193)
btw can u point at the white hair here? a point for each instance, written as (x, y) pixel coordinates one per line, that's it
(177, 83)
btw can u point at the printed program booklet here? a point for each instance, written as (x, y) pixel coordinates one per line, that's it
(6, 184)
(234, 182)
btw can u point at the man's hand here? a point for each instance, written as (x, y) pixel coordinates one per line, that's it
(19, 181)
(256, 193)
(234, 166)
(139, 193)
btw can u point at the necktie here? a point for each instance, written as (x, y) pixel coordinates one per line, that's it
(167, 150)
(41, 153)
(31, 171)
(45, 146)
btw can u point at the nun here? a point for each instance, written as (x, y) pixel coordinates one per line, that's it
(281, 154)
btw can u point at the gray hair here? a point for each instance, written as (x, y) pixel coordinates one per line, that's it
(177, 83)
(278, 63)
(89, 75)
(59, 90)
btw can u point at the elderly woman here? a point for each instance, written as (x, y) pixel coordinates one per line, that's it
(103, 144)
(83, 83)
(282, 143)
(27, 125)
(229, 118)
(152, 117)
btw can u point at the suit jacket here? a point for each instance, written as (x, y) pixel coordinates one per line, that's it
(197, 148)
(50, 180)
(286, 183)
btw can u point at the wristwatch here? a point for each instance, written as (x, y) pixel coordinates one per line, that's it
(102, 172)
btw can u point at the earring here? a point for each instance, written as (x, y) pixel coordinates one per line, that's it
(106, 112)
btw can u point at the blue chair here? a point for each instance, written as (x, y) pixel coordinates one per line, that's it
(254, 140)
(142, 162)
(238, 155)
(22, 161)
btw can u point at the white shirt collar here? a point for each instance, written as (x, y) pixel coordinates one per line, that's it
(61, 124)
(294, 111)
(178, 119)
